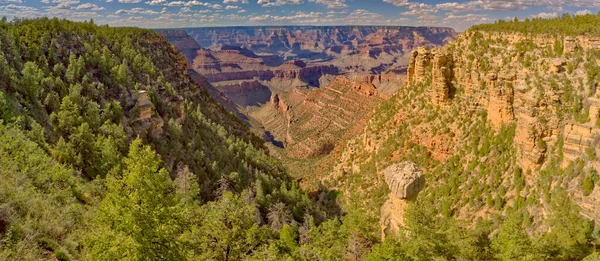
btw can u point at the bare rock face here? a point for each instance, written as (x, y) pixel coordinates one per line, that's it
(145, 122)
(310, 123)
(577, 138)
(406, 181)
(418, 65)
(246, 93)
(440, 77)
(570, 44)
(557, 65)
(180, 39)
(501, 97)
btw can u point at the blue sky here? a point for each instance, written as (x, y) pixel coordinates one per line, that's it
(196, 13)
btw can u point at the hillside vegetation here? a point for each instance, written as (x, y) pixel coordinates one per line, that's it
(504, 123)
(110, 151)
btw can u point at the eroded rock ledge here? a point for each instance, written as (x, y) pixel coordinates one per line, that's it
(405, 181)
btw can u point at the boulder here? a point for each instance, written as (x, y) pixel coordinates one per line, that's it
(405, 179)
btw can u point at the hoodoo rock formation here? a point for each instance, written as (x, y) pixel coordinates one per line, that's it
(440, 77)
(440, 74)
(419, 61)
(501, 97)
(405, 181)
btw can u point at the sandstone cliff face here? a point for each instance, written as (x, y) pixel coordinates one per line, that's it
(578, 138)
(501, 98)
(417, 68)
(514, 103)
(440, 73)
(440, 77)
(405, 181)
(146, 121)
(235, 64)
(310, 123)
(330, 39)
(180, 39)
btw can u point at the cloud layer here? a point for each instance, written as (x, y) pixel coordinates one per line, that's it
(192, 13)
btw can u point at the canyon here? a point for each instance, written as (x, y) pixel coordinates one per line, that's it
(509, 102)
(299, 56)
(303, 87)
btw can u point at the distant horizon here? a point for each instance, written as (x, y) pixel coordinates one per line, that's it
(166, 14)
(291, 25)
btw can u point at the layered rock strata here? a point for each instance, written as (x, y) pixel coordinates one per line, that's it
(501, 98)
(310, 123)
(440, 77)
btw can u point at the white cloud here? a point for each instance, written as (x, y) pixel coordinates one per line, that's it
(129, 1)
(89, 6)
(232, 7)
(421, 10)
(331, 3)
(583, 12)
(459, 7)
(139, 10)
(157, 2)
(268, 3)
(301, 17)
(235, 1)
(546, 15)
(397, 2)
(462, 22)
(10, 1)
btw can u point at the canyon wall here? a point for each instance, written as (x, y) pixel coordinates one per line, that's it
(367, 40)
(498, 105)
(311, 123)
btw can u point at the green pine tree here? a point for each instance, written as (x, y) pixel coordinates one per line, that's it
(139, 218)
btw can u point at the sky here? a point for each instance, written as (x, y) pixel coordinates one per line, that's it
(201, 13)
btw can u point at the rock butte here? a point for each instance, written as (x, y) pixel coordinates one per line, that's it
(405, 181)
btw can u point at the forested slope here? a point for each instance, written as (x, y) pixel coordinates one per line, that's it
(504, 122)
(109, 150)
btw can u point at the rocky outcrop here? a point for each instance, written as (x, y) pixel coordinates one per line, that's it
(145, 120)
(246, 93)
(278, 103)
(556, 65)
(501, 98)
(441, 72)
(569, 44)
(386, 83)
(440, 77)
(182, 41)
(405, 181)
(366, 89)
(578, 138)
(417, 68)
(309, 123)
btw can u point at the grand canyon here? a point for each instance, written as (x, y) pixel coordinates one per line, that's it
(302, 88)
(299, 130)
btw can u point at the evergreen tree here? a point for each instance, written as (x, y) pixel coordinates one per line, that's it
(138, 219)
